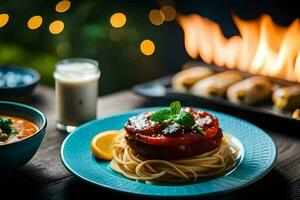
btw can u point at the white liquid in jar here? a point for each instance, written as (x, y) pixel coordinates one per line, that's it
(76, 92)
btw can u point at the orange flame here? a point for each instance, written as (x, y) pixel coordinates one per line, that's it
(262, 47)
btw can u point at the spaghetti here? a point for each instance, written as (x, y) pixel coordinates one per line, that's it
(208, 164)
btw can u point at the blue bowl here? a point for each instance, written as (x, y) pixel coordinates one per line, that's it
(17, 81)
(16, 154)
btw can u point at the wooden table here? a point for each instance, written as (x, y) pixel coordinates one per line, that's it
(45, 177)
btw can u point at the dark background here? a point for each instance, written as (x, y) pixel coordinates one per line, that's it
(88, 33)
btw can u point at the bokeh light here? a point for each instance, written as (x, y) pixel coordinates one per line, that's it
(35, 22)
(56, 27)
(3, 19)
(118, 20)
(147, 47)
(156, 17)
(169, 12)
(62, 6)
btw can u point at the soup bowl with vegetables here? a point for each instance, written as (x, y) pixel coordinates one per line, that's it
(22, 129)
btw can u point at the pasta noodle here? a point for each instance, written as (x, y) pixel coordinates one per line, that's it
(211, 163)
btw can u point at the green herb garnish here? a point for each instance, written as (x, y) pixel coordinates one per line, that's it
(161, 115)
(6, 128)
(3, 136)
(175, 107)
(5, 125)
(184, 118)
(199, 129)
(175, 114)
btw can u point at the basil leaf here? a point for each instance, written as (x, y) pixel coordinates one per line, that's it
(161, 115)
(185, 119)
(175, 107)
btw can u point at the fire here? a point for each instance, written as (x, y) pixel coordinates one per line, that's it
(262, 47)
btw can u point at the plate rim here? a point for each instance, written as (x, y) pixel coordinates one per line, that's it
(213, 193)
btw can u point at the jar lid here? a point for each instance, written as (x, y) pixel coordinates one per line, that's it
(77, 69)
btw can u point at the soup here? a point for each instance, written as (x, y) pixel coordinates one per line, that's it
(13, 129)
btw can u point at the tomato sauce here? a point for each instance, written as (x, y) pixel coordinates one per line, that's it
(143, 129)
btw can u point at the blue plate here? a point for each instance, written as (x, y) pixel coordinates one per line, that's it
(17, 81)
(258, 154)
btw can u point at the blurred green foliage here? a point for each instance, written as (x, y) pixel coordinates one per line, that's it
(12, 54)
(87, 33)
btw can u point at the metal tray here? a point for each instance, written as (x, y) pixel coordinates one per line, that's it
(161, 88)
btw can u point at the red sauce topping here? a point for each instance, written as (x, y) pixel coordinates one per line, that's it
(142, 129)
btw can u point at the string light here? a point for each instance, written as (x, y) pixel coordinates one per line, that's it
(63, 6)
(35, 22)
(156, 17)
(3, 19)
(56, 27)
(118, 20)
(147, 47)
(169, 12)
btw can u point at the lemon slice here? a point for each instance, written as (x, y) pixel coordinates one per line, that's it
(102, 144)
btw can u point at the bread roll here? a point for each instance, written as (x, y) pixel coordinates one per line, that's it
(216, 85)
(287, 98)
(250, 91)
(296, 114)
(184, 79)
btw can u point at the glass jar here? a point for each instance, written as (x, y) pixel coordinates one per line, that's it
(76, 92)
